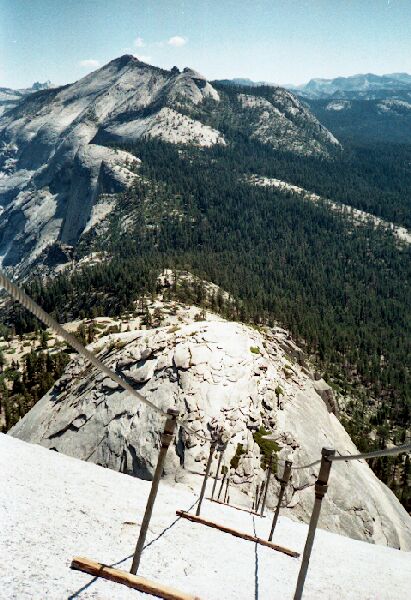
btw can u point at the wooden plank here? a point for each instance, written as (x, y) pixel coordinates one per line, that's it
(251, 512)
(239, 534)
(133, 581)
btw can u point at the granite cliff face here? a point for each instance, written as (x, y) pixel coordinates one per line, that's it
(283, 122)
(215, 371)
(54, 159)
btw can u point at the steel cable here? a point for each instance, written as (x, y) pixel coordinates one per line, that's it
(20, 296)
(345, 457)
(373, 454)
(296, 468)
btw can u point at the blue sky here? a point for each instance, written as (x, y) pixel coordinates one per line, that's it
(281, 41)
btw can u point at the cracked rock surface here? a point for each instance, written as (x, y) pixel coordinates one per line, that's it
(225, 372)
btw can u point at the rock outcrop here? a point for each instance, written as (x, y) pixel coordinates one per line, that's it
(283, 117)
(215, 371)
(325, 391)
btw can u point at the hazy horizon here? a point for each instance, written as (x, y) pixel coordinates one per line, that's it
(232, 77)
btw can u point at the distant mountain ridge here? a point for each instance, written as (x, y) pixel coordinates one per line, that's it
(243, 81)
(362, 86)
(9, 98)
(366, 86)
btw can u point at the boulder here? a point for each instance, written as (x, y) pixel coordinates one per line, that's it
(325, 391)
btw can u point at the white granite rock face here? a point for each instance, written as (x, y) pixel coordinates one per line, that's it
(278, 123)
(215, 371)
(55, 141)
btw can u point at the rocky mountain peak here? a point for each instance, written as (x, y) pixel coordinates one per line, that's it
(41, 86)
(192, 73)
(124, 60)
(55, 155)
(50, 134)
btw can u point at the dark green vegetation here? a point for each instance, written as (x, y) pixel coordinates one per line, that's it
(268, 449)
(367, 121)
(376, 164)
(235, 461)
(343, 291)
(374, 178)
(21, 386)
(369, 173)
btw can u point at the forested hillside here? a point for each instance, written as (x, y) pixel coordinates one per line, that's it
(342, 290)
(340, 286)
(370, 121)
(370, 173)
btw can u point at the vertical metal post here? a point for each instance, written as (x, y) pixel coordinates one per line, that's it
(252, 499)
(257, 491)
(207, 472)
(166, 439)
(221, 486)
(283, 484)
(220, 458)
(320, 491)
(260, 497)
(226, 489)
(267, 481)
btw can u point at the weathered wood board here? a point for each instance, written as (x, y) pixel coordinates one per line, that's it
(133, 581)
(239, 534)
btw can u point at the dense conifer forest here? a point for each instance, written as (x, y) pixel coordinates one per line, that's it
(22, 385)
(367, 121)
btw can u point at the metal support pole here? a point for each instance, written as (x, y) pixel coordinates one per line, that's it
(207, 472)
(252, 499)
(226, 489)
(166, 439)
(221, 486)
(260, 497)
(220, 458)
(283, 485)
(257, 491)
(267, 481)
(320, 491)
